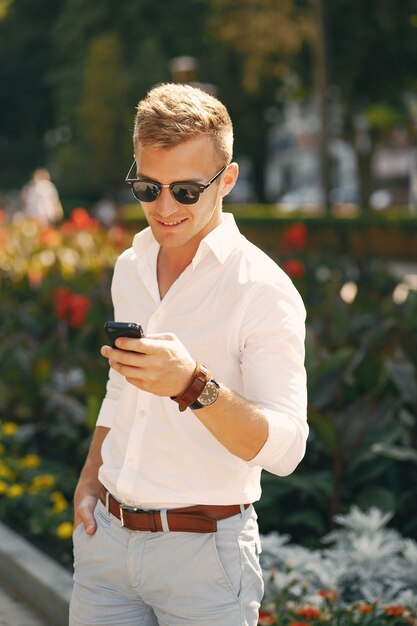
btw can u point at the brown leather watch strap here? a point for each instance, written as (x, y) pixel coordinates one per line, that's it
(199, 380)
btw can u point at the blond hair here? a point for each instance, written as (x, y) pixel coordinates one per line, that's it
(172, 113)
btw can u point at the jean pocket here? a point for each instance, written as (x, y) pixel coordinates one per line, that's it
(102, 515)
(227, 550)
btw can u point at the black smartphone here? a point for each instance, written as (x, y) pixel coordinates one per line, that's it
(122, 329)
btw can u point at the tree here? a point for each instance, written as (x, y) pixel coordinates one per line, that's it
(372, 55)
(103, 135)
(26, 103)
(266, 36)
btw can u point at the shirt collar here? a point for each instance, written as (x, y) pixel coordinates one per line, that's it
(221, 241)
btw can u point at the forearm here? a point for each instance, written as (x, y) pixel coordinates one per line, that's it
(88, 481)
(87, 491)
(238, 424)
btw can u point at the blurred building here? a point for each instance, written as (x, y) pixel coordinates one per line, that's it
(293, 163)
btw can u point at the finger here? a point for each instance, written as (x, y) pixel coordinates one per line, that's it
(129, 343)
(148, 345)
(164, 336)
(87, 518)
(128, 371)
(124, 357)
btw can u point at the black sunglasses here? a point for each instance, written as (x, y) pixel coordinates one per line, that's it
(183, 192)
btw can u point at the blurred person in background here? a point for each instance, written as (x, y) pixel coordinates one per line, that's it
(165, 531)
(40, 199)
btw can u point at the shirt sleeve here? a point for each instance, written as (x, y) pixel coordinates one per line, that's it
(274, 376)
(115, 381)
(109, 405)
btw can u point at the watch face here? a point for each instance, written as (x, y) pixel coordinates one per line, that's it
(209, 394)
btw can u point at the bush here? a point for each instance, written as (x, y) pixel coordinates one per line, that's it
(36, 493)
(361, 361)
(366, 575)
(55, 285)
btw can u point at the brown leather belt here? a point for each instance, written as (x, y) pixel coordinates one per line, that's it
(202, 518)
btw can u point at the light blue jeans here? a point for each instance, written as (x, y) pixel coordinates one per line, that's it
(167, 578)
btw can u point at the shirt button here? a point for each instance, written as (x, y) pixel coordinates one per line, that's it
(132, 461)
(157, 316)
(142, 413)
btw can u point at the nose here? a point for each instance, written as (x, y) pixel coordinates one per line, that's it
(166, 204)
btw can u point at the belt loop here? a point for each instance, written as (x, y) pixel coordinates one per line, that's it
(164, 521)
(242, 510)
(107, 501)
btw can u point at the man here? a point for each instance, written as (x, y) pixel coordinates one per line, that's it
(165, 532)
(40, 199)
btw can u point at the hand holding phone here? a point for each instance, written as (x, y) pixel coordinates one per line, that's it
(122, 329)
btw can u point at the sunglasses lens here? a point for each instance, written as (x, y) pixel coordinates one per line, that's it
(145, 191)
(186, 193)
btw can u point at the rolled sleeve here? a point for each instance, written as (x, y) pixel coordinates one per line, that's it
(285, 446)
(274, 374)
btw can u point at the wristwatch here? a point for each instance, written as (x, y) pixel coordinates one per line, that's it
(209, 395)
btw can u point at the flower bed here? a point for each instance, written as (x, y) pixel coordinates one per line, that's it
(36, 494)
(361, 362)
(366, 574)
(55, 285)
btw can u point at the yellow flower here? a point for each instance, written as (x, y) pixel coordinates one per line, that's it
(3, 486)
(10, 428)
(15, 491)
(64, 530)
(43, 481)
(30, 461)
(6, 472)
(60, 504)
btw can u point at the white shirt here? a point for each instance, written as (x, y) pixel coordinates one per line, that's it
(240, 315)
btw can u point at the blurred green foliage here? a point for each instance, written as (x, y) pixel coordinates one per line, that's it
(72, 71)
(361, 360)
(366, 236)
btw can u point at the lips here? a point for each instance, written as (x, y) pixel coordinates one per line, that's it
(171, 222)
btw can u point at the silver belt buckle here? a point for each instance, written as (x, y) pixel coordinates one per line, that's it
(121, 509)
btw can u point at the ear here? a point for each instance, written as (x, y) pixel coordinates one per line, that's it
(229, 179)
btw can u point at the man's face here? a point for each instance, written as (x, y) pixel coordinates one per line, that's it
(176, 225)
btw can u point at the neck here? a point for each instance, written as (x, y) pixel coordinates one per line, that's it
(169, 267)
(172, 260)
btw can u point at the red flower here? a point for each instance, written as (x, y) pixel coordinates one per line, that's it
(62, 302)
(265, 618)
(35, 277)
(295, 237)
(299, 624)
(394, 611)
(79, 307)
(119, 236)
(328, 594)
(365, 608)
(71, 307)
(308, 613)
(81, 219)
(294, 268)
(50, 237)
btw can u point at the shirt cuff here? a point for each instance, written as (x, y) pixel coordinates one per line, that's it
(285, 446)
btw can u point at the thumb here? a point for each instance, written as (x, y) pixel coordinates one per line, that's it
(86, 517)
(90, 525)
